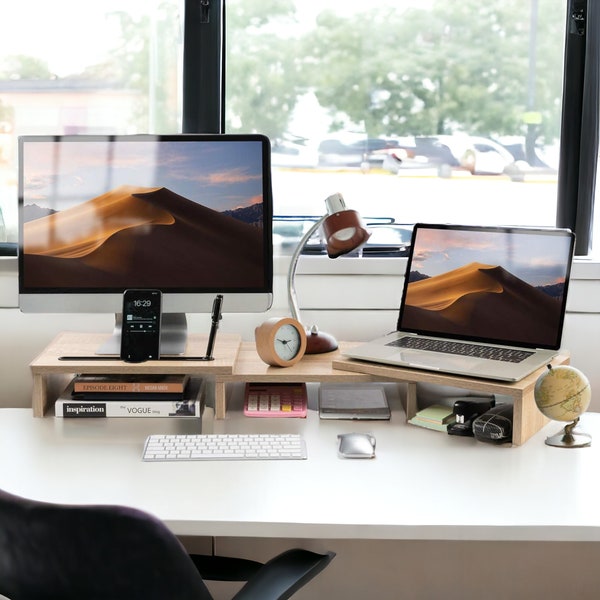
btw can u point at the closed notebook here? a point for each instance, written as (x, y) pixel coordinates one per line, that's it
(353, 401)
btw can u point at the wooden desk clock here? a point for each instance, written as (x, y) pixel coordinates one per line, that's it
(280, 342)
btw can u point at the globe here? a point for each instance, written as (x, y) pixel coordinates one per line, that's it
(563, 393)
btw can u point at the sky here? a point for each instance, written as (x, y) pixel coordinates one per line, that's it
(536, 259)
(222, 176)
(50, 31)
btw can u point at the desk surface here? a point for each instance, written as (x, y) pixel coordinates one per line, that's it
(422, 484)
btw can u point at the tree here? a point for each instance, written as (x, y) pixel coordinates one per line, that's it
(456, 66)
(145, 59)
(263, 77)
(21, 66)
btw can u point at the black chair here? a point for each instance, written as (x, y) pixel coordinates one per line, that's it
(79, 552)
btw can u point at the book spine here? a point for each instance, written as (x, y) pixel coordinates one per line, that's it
(116, 396)
(131, 408)
(128, 387)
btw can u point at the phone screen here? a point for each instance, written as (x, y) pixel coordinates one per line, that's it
(140, 333)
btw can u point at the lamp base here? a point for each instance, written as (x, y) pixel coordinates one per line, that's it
(319, 342)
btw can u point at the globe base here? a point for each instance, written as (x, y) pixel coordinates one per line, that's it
(569, 438)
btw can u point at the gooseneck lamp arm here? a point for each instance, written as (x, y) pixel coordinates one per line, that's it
(344, 232)
(293, 300)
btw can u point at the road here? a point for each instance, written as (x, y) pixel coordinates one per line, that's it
(459, 199)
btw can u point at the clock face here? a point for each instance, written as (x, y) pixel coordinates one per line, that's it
(287, 342)
(280, 342)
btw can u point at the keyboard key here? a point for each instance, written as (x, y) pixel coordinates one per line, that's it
(513, 355)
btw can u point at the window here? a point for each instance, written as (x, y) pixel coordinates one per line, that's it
(413, 110)
(116, 71)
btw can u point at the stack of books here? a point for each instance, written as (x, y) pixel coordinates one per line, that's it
(131, 396)
(435, 417)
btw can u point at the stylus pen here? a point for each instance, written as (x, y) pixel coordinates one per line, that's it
(216, 317)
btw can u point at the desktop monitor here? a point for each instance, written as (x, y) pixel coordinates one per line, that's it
(190, 215)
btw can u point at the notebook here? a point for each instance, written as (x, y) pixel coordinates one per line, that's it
(490, 300)
(357, 401)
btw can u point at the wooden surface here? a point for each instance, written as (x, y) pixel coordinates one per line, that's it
(50, 374)
(237, 361)
(250, 368)
(527, 419)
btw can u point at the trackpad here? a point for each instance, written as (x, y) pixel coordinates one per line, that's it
(444, 362)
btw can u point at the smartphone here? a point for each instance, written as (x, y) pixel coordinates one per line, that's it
(140, 329)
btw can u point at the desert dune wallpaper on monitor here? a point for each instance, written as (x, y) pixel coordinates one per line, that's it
(173, 216)
(515, 295)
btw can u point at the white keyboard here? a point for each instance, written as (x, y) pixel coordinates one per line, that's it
(233, 446)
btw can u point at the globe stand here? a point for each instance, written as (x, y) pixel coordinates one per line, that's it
(570, 439)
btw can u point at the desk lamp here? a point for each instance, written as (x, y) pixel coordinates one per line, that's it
(344, 231)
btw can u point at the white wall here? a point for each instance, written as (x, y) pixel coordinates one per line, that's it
(354, 299)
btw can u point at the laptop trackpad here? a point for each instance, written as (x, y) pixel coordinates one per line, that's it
(427, 360)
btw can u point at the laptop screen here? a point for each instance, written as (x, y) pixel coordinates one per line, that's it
(492, 284)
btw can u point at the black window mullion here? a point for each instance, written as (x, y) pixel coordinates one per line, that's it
(580, 123)
(203, 67)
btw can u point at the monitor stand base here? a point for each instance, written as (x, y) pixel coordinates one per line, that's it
(173, 336)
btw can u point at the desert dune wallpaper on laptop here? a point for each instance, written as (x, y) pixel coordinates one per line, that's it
(487, 286)
(142, 214)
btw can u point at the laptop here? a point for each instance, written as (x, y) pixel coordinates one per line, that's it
(479, 301)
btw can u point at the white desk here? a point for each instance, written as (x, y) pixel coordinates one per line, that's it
(423, 485)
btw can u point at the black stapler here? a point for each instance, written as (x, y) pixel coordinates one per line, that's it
(466, 410)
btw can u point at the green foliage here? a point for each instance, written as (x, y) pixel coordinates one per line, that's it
(146, 61)
(452, 67)
(262, 73)
(21, 66)
(446, 67)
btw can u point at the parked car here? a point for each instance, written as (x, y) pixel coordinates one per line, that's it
(335, 153)
(485, 156)
(371, 151)
(374, 150)
(478, 155)
(301, 154)
(421, 153)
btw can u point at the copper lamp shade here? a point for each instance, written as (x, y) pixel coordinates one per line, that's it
(344, 232)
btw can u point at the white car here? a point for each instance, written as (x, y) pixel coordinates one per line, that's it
(478, 155)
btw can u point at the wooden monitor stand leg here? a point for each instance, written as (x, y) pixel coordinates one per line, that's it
(220, 400)
(527, 419)
(411, 400)
(39, 395)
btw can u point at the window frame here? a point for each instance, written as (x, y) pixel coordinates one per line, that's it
(580, 109)
(580, 125)
(203, 102)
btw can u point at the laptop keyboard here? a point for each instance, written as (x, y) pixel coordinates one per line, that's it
(462, 348)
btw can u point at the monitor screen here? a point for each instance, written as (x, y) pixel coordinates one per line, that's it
(189, 215)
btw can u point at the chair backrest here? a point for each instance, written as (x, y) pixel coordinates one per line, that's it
(50, 551)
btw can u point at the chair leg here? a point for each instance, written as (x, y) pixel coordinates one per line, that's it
(284, 575)
(225, 568)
